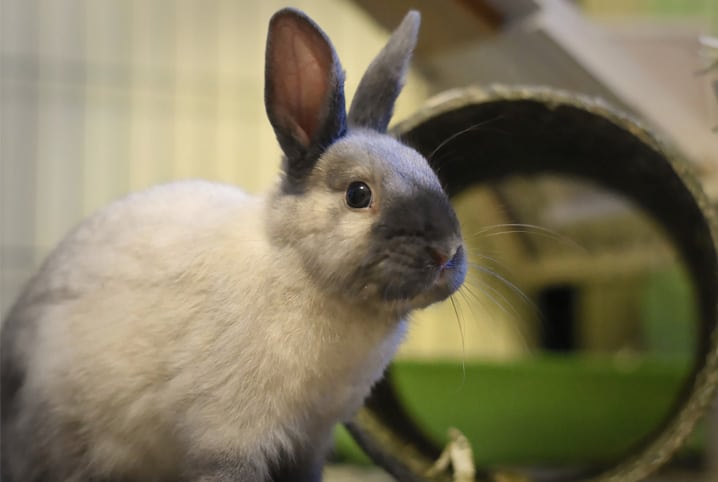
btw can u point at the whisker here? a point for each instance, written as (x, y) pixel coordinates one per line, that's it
(459, 134)
(512, 313)
(509, 285)
(446, 158)
(468, 294)
(476, 254)
(499, 299)
(463, 342)
(513, 228)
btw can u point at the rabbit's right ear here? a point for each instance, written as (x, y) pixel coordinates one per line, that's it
(303, 91)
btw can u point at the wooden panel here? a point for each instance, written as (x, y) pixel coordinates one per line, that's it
(469, 20)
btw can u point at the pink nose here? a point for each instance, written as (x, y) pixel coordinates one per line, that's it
(439, 258)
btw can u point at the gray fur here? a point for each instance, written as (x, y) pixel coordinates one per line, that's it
(373, 102)
(192, 332)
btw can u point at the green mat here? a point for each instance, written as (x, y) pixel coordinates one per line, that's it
(545, 410)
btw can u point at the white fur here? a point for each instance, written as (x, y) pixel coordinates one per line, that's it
(241, 355)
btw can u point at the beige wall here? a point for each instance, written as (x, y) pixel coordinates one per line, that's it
(104, 97)
(107, 97)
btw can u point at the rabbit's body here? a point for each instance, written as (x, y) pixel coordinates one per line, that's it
(209, 370)
(194, 332)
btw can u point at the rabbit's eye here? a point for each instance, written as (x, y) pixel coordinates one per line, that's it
(358, 195)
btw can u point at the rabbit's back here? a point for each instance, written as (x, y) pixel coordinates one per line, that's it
(107, 329)
(125, 257)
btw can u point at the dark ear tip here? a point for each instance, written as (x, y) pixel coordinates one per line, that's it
(290, 14)
(287, 12)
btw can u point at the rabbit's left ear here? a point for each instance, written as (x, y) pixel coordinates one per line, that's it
(373, 103)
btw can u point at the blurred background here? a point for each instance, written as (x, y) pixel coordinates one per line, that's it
(572, 286)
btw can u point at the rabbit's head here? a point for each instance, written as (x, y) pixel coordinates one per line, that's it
(365, 213)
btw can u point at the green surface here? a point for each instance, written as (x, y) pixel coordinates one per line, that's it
(669, 314)
(541, 410)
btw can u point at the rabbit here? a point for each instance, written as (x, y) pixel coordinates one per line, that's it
(194, 332)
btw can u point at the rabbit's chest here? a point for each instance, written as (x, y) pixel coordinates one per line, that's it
(281, 361)
(337, 379)
(323, 371)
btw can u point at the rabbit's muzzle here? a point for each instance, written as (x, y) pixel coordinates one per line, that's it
(414, 271)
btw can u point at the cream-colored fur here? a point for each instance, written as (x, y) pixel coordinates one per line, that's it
(241, 354)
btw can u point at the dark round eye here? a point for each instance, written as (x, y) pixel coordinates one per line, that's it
(358, 195)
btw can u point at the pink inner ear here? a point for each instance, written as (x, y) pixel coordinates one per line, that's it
(302, 65)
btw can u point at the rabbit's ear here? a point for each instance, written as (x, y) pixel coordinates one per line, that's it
(373, 103)
(303, 90)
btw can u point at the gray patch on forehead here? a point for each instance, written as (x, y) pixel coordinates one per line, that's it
(370, 155)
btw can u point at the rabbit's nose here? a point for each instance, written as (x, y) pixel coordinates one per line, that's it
(438, 258)
(443, 261)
